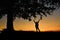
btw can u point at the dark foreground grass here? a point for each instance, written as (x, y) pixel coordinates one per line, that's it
(18, 35)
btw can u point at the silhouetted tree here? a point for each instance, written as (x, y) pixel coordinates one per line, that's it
(8, 7)
(26, 9)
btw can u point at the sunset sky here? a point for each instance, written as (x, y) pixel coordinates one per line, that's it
(50, 23)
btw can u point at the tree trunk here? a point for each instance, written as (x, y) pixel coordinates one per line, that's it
(9, 22)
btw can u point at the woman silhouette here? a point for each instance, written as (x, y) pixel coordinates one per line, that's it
(37, 25)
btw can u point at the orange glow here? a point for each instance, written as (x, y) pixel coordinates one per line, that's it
(50, 23)
(47, 24)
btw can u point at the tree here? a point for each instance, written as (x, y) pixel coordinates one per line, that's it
(8, 7)
(26, 9)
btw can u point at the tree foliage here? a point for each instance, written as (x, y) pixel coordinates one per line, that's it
(28, 8)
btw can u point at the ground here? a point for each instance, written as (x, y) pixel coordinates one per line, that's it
(9, 35)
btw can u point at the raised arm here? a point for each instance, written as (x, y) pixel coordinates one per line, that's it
(40, 19)
(34, 21)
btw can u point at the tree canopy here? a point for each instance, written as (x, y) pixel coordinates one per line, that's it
(28, 8)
